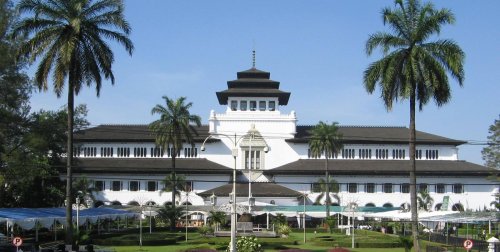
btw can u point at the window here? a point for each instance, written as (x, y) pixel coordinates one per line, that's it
(381, 153)
(157, 152)
(140, 152)
(123, 152)
(405, 188)
(116, 186)
(418, 154)
(423, 187)
(152, 186)
(253, 105)
(365, 153)
(398, 154)
(370, 187)
(99, 185)
(388, 188)
(76, 152)
(440, 188)
(352, 187)
(106, 151)
(234, 105)
(243, 105)
(316, 187)
(254, 159)
(188, 187)
(431, 154)
(262, 105)
(89, 151)
(458, 188)
(348, 153)
(190, 152)
(134, 186)
(272, 106)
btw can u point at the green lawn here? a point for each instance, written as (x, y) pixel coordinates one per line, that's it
(317, 242)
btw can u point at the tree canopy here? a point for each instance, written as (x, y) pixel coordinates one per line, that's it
(491, 153)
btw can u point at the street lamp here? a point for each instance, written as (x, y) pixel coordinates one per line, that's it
(234, 153)
(352, 207)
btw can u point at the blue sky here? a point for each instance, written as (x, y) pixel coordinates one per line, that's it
(314, 48)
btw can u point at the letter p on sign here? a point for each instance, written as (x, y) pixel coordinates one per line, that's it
(17, 241)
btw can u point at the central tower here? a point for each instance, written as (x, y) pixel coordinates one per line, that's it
(253, 99)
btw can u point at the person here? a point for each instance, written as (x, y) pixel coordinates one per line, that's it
(484, 234)
(455, 230)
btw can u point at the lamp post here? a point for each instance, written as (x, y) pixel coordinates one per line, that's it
(140, 225)
(234, 153)
(304, 220)
(77, 214)
(187, 200)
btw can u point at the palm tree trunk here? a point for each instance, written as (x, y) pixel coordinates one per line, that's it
(69, 161)
(413, 177)
(327, 200)
(174, 187)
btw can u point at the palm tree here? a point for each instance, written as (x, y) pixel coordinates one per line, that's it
(218, 218)
(172, 183)
(424, 200)
(172, 129)
(327, 141)
(332, 187)
(170, 213)
(69, 39)
(414, 68)
(84, 189)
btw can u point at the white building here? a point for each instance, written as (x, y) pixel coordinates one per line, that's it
(372, 169)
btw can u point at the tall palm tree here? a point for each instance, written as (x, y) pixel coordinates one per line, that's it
(218, 219)
(69, 38)
(424, 200)
(173, 182)
(332, 187)
(414, 68)
(326, 140)
(172, 129)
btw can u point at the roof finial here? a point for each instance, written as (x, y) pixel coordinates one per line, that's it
(253, 58)
(253, 55)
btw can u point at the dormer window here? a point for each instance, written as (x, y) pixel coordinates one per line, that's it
(253, 105)
(243, 105)
(272, 105)
(234, 105)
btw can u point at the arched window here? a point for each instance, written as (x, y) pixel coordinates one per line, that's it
(387, 205)
(438, 207)
(457, 207)
(370, 205)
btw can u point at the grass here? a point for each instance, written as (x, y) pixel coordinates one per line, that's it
(315, 242)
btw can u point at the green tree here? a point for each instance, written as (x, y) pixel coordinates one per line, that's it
(174, 183)
(84, 189)
(424, 200)
(170, 213)
(15, 86)
(68, 38)
(218, 218)
(332, 187)
(172, 129)
(414, 68)
(326, 140)
(491, 153)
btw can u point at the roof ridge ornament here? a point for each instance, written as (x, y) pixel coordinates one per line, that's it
(253, 58)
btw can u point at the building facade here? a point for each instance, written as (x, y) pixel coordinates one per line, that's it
(273, 163)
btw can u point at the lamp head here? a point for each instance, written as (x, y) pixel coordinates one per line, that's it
(266, 149)
(202, 148)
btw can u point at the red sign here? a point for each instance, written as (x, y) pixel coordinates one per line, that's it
(17, 241)
(468, 244)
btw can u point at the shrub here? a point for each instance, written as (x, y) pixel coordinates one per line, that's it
(284, 230)
(205, 230)
(247, 244)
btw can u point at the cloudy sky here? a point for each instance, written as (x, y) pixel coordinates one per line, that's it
(314, 48)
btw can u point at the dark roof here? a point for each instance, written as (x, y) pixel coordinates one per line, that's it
(156, 166)
(258, 190)
(253, 83)
(373, 134)
(381, 167)
(351, 134)
(129, 133)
